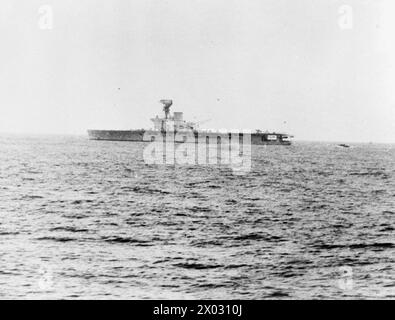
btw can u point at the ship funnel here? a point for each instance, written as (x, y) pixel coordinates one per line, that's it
(178, 116)
(166, 106)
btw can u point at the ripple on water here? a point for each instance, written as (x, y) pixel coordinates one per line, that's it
(106, 225)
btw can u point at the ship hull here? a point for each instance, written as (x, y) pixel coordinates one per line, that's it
(141, 135)
(117, 135)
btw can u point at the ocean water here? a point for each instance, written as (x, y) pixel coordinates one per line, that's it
(84, 219)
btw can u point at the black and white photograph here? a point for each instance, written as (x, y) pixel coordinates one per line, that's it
(200, 150)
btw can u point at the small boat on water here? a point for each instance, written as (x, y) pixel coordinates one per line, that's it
(343, 145)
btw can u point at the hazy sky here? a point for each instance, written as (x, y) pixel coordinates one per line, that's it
(289, 65)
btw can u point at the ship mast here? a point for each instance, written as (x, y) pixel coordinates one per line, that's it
(166, 107)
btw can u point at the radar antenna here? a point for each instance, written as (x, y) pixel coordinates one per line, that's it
(166, 106)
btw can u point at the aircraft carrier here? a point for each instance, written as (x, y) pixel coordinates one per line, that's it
(185, 131)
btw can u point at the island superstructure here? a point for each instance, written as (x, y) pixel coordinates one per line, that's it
(183, 131)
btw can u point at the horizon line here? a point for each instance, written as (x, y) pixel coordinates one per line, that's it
(85, 134)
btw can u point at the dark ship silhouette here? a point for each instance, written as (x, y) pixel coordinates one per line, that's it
(176, 124)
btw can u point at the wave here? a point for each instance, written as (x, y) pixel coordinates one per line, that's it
(68, 229)
(127, 240)
(382, 174)
(57, 239)
(197, 266)
(5, 233)
(257, 236)
(357, 246)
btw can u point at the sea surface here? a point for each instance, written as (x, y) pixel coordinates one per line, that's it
(84, 219)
